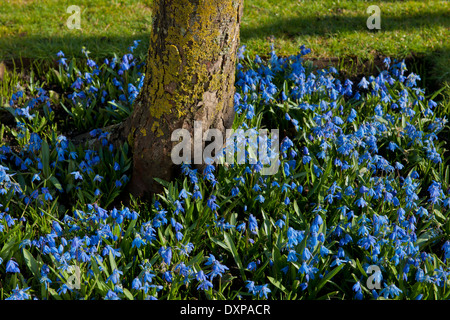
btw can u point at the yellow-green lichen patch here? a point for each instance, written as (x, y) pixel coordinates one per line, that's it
(182, 56)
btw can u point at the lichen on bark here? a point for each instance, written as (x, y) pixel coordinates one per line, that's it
(189, 76)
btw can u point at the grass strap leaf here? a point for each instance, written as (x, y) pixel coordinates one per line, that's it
(232, 248)
(31, 263)
(327, 278)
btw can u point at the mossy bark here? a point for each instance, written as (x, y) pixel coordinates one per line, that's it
(189, 77)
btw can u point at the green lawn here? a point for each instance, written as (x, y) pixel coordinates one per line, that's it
(37, 29)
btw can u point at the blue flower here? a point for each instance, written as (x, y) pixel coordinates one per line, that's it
(114, 277)
(306, 159)
(317, 171)
(252, 266)
(167, 276)
(292, 256)
(77, 175)
(211, 202)
(234, 191)
(250, 286)
(111, 295)
(241, 227)
(398, 166)
(136, 284)
(446, 248)
(304, 268)
(184, 194)
(217, 269)
(253, 224)
(63, 289)
(19, 294)
(280, 223)
(263, 291)
(166, 254)
(356, 287)
(12, 267)
(91, 63)
(137, 242)
(205, 285)
(337, 262)
(318, 220)
(306, 254)
(178, 206)
(36, 177)
(197, 195)
(260, 198)
(391, 291)
(363, 83)
(361, 202)
(324, 251)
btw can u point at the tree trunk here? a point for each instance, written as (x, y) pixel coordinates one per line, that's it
(189, 77)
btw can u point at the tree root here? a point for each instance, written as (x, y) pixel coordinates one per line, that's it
(116, 136)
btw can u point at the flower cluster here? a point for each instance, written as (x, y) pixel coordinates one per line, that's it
(102, 94)
(362, 183)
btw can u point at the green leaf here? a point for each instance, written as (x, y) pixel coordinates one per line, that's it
(301, 247)
(100, 284)
(128, 294)
(328, 277)
(162, 182)
(277, 284)
(130, 229)
(219, 242)
(112, 261)
(298, 175)
(360, 268)
(297, 210)
(121, 108)
(56, 183)
(54, 294)
(232, 248)
(31, 263)
(328, 295)
(439, 216)
(7, 247)
(45, 156)
(197, 259)
(425, 238)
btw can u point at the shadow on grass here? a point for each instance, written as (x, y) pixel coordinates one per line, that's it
(45, 48)
(432, 65)
(28, 49)
(336, 23)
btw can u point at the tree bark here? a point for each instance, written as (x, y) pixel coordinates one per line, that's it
(190, 77)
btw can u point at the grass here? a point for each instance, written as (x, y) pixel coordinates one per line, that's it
(338, 29)
(37, 30)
